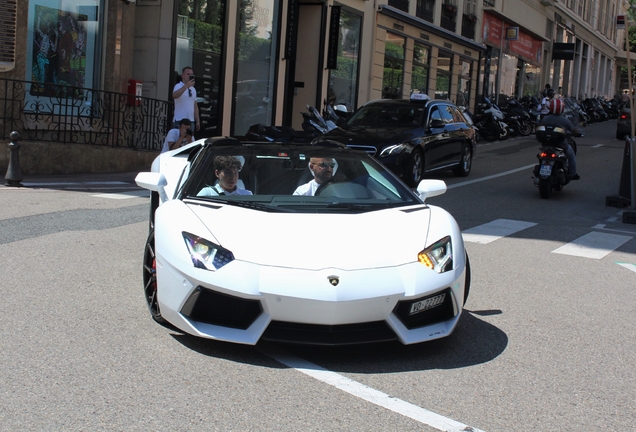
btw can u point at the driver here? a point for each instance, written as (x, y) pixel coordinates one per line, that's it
(322, 170)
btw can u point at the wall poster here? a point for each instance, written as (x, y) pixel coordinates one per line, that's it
(61, 46)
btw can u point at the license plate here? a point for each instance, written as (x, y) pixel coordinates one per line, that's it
(427, 304)
(545, 170)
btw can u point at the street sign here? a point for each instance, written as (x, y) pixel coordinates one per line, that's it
(620, 22)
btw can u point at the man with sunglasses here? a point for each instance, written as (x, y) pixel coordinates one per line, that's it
(322, 169)
(185, 100)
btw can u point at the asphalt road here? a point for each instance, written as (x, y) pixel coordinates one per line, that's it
(546, 342)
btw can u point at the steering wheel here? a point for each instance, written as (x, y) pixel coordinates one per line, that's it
(324, 185)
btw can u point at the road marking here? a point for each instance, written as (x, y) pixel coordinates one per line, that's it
(367, 393)
(29, 184)
(593, 245)
(494, 230)
(124, 195)
(494, 176)
(602, 227)
(598, 145)
(628, 266)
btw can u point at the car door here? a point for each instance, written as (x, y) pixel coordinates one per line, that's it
(437, 138)
(454, 135)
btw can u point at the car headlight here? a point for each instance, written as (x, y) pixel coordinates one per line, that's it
(206, 255)
(392, 150)
(439, 256)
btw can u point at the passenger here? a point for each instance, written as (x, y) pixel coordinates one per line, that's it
(322, 170)
(226, 169)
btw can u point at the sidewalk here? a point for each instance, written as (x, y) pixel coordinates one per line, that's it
(84, 182)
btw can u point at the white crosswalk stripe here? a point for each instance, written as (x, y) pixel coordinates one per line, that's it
(494, 230)
(593, 245)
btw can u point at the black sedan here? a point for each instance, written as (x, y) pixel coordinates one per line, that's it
(410, 137)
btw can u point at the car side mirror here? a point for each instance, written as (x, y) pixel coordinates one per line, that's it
(431, 188)
(437, 124)
(153, 181)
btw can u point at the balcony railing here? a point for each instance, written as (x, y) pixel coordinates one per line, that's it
(55, 113)
(447, 21)
(402, 5)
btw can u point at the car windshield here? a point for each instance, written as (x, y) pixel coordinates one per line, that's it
(293, 178)
(388, 114)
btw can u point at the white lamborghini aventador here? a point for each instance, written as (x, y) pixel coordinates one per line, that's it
(315, 244)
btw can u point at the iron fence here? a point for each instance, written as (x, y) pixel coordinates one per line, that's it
(56, 113)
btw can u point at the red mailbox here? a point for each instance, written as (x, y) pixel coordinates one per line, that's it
(134, 89)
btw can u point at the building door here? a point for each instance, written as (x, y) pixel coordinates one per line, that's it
(306, 77)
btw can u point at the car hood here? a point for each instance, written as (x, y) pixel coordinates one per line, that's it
(378, 137)
(318, 241)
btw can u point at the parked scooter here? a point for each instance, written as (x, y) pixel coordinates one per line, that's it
(313, 125)
(490, 121)
(552, 170)
(518, 119)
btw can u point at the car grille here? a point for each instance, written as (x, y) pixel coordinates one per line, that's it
(369, 149)
(442, 312)
(347, 334)
(215, 308)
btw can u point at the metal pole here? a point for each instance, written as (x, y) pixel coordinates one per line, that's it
(14, 174)
(632, 111)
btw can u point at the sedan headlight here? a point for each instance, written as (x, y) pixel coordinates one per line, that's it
(439, 256)
(206, 255)
(392, 150)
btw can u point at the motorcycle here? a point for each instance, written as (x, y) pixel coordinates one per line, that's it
(313, 125)
(551, 172)
(490, 121)
(518, 119)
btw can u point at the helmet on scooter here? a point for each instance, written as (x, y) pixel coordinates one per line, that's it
(556, 106)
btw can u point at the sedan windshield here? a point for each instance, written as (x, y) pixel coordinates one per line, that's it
(294, 178)
(389, 114)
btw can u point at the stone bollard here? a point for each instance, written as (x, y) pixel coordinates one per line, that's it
(14, 174)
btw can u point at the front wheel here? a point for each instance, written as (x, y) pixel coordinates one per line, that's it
(545, 187)
(150, 279)
(415, 168)
(465, 163)
(525, 128)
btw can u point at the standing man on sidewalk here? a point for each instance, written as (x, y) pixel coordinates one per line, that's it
(185, 100)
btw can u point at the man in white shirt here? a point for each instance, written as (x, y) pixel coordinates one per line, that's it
(322, 169)
(179, 136)
(185, 100)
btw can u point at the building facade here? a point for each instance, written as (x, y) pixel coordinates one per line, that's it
(264, 61)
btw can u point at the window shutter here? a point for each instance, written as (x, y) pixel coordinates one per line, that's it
(8, 19)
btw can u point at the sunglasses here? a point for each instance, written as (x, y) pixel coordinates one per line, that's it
(324, 165)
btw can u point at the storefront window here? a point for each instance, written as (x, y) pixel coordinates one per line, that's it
(443, 78)
(463, 83)
(419, 76)
(493, 64)
(199, 44)
(255, 68)
(532, 84)
(508, 76)
(62, 46)
(343, 81)
(393, 66)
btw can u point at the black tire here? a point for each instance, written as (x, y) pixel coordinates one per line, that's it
(150, 279)
(619, 136)
(467, 280)
(525, 128)
(154, 203)
(545, 187)
(489, 133)
(415, 169)
(465, 163)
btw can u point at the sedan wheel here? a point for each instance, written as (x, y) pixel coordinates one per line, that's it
(415, 169)
(150, 279)
(466, 162)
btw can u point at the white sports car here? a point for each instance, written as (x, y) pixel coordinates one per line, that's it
(314, 244)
